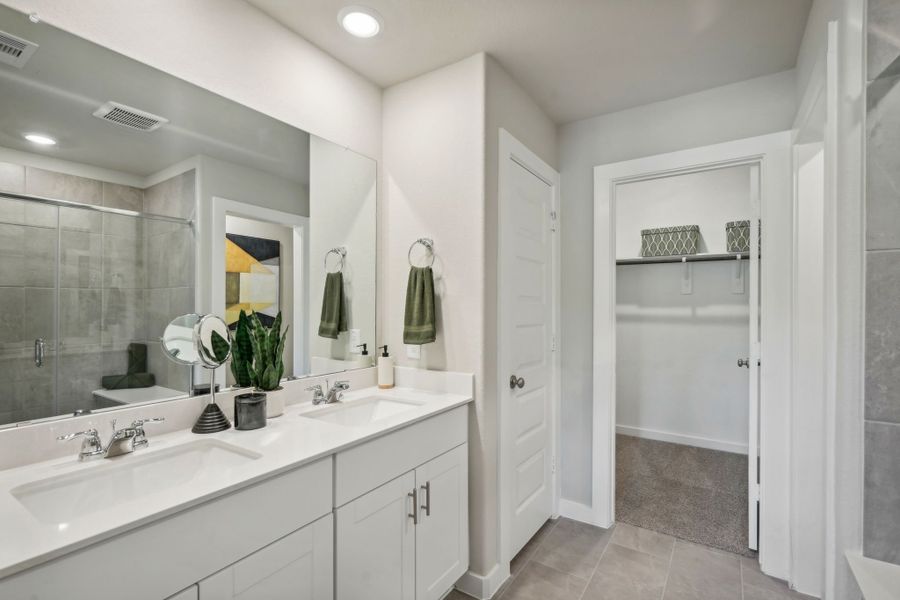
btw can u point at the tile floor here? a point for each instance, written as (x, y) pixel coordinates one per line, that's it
(693, 494)
(567, 560)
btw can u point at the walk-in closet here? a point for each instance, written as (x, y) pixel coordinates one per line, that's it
(686, 303)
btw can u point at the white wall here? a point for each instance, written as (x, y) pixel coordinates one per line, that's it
(676, 373)
(285, 235)
(342, 213)
(441, 148)
(434, 187)
(676, 377)
(709, 199)
(200, 41)
(750, 108)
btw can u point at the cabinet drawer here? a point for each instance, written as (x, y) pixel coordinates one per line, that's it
(367, 466)
(187, 546)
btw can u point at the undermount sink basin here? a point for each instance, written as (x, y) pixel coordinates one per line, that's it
(358, 413)
(128, 478)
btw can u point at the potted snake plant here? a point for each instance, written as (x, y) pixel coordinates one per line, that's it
(258, 359)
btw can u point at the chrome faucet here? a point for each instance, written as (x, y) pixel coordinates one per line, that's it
(336, 392)
(318, 396)
(123, 441)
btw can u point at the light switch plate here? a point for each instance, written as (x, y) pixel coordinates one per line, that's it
(413, 351)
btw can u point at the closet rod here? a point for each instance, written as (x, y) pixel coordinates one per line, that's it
(652, 260)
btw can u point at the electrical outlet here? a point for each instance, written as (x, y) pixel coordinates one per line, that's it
(413, 351)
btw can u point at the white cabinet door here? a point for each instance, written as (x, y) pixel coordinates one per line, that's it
(442, 536)
(376, 541)
(296, 567)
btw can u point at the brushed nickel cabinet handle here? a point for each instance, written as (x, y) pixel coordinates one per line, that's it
(427, 505)
(415, 506)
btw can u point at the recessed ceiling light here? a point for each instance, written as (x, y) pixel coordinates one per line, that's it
(41, 139)
(360, 21)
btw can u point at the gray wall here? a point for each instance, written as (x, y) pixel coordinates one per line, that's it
(882, 408)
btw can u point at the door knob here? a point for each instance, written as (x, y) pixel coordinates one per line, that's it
(744, 362)
(516, 382)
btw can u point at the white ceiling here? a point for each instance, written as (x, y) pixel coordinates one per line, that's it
(577, 58)
(68, 78)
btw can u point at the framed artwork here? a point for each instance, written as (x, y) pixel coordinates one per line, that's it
(252, 277)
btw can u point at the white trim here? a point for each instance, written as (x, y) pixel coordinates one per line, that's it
(222, 207)
(483, 587)
(680, 438)
(772, 153)
(512, 149)
(577, 512)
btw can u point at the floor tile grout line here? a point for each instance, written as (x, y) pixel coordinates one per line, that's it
(669, 570)
(512, 576)
(597, 566)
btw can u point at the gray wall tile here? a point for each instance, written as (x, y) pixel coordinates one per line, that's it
(38, 315)
(883, 336)
(122, 317)
(882, 492)
(123, 263)
(81, 259)
(883, 165)
(123, 196)
(883, 36)
(41, 182)
(12, 178)
(174, 197)
(79, 317)
(79, 219)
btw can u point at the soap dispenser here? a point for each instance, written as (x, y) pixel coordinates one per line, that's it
(385, 369)
(364, 356)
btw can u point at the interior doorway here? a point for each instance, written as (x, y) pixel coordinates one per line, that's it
(766, 352)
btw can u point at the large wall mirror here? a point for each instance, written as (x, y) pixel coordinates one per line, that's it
(129, 197)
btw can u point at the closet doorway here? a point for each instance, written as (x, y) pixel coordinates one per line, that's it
(692, 351)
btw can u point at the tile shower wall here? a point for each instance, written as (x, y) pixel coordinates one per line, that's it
(882, 393)
(110, 290)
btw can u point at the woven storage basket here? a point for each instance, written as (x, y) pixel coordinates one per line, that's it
(737, 236)
(670, 241)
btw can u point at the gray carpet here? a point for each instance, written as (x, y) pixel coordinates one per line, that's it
(691, 493)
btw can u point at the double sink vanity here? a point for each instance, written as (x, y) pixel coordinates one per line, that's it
(362, 498)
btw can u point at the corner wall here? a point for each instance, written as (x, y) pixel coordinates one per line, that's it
(749, 108)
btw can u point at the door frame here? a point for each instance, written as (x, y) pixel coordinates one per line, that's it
(772, 153)
(512, 149)
(221, 207)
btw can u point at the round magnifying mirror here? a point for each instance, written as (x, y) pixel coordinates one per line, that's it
(213, 341)
(178, 341)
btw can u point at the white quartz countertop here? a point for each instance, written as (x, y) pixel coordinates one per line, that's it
(287, 442)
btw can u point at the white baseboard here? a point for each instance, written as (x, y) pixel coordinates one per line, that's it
(580, 512)
(677, 438)
(483, 587)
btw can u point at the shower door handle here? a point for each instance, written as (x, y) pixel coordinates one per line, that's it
(39, 352)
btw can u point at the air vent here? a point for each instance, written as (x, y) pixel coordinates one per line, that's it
(14, 50)
(127, 116)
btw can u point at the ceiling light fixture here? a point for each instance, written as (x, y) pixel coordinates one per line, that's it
(40, 139)
(360, 21)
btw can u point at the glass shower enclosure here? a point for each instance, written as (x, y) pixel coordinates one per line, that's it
(85, 292)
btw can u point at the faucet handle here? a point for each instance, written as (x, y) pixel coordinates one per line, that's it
(139, 423)
(315, 388)
(91, 446)
(88, 433)
(342, 385)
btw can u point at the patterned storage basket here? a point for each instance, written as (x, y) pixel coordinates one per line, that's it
(737, 236)
(670, 241)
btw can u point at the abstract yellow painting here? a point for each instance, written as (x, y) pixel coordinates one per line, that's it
(252, 277)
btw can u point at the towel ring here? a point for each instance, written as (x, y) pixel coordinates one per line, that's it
(428, 243)
(341, 251)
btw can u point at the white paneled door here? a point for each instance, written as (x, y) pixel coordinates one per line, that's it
(527, 344)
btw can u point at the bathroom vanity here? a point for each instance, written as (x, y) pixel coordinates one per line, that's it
(362, 498)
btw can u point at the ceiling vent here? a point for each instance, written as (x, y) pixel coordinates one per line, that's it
(14, 50)
(127, 116)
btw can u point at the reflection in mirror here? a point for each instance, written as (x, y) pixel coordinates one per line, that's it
(178, 340)
(109, 233)
(213, 341)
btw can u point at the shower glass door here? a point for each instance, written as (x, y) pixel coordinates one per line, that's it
(86, 293)
(29, 276)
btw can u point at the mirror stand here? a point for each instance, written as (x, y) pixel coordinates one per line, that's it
(212, 419)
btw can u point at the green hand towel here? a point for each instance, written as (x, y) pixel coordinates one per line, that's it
(137, 358)
(334, 317)
(419, 324)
